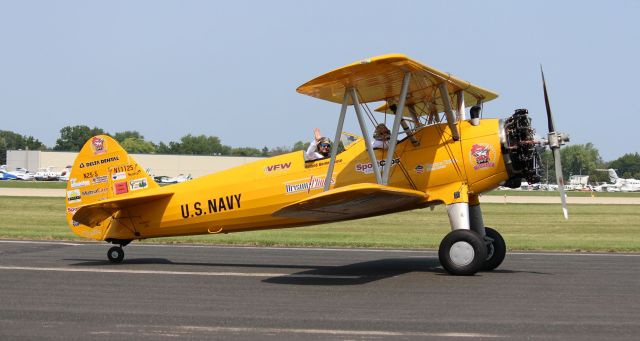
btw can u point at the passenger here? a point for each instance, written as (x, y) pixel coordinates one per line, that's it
(381, 137)
(319, 148)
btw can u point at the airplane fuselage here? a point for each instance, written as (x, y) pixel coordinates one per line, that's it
(245, 198)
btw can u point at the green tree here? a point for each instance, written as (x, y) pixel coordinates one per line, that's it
(138, 146)
(121, 136)
(579, 159)
(300, 146)
(72, 138)
(199, 145)
(627, 166)
(246, 151)
(10, 141)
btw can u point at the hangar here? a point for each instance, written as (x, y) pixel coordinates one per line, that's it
(158, 164)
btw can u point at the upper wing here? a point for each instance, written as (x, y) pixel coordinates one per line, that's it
(353, 201)
(380, 79)
(92, 214)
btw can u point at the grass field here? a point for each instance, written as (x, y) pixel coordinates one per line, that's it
(32, 184)
(609, 228)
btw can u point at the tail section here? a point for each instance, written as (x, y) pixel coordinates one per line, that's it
(613, 176)
(102, 170)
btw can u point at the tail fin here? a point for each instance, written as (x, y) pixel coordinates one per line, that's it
(613, 176)
(102, 170)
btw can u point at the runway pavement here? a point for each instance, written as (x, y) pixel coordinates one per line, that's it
(57, 290)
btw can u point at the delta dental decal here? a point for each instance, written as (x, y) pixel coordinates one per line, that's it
(481, 155)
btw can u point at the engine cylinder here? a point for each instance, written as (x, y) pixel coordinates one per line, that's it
(519, 148)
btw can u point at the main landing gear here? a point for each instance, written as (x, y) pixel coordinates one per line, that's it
(116, 253)
(470, 247)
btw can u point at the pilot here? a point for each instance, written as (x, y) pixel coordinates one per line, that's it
(381, 136)
(319, 148)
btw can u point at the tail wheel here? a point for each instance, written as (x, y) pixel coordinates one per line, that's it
(462, 252)
(115, 254)
(496, 250)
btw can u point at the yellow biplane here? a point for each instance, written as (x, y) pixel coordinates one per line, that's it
(435, 155)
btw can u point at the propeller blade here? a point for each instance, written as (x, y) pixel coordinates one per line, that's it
(560, 181)
(555, 140)
(546, 102)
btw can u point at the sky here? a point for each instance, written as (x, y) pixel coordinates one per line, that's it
(230, 68)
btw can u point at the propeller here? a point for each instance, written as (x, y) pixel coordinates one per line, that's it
(554, 141)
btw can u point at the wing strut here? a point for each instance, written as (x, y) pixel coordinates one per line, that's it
(365, 133)
(336, 141)
(460, 113)
(393, 140)
(451, 120)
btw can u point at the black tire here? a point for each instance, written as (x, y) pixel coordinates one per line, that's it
(496, 250)
(115, 254)
(462, 252)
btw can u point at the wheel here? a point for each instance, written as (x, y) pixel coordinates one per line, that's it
(462, 252)
(496, 250)
(115, 254)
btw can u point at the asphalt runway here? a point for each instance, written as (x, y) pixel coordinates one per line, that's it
(56, 290)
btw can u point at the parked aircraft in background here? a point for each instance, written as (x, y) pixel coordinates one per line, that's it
(619, 184)
(4, 175)
(172, 180)
(19, 173)
(47, 174)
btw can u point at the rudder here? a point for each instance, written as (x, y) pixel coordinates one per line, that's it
(102, 170)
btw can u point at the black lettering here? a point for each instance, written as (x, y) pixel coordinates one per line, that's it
(237, 196)
(221, 205)
(229, 202)
(212, 206)
(185, 211)
(196, 206)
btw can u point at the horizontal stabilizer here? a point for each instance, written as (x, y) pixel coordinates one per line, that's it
(353, 201)
(92, 214)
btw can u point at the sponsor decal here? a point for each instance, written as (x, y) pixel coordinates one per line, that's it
(75, 223)
(99, 162)
(138, 184)
(367, 168)
(76, 184)
(278, 167)
(319, 163)
(99, 179)
(72, 210)
(118, 176)
(306, 185)
(430, 167)
(120, 187)
(74, 196)
(94, 191)
(211, 206)
(481, 155)
(98, 145)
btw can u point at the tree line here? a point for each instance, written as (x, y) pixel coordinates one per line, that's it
(580, 159)
(72, 138)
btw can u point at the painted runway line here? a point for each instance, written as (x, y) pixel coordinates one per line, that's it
(175, 273)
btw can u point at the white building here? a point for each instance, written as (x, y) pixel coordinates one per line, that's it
(169, 165)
